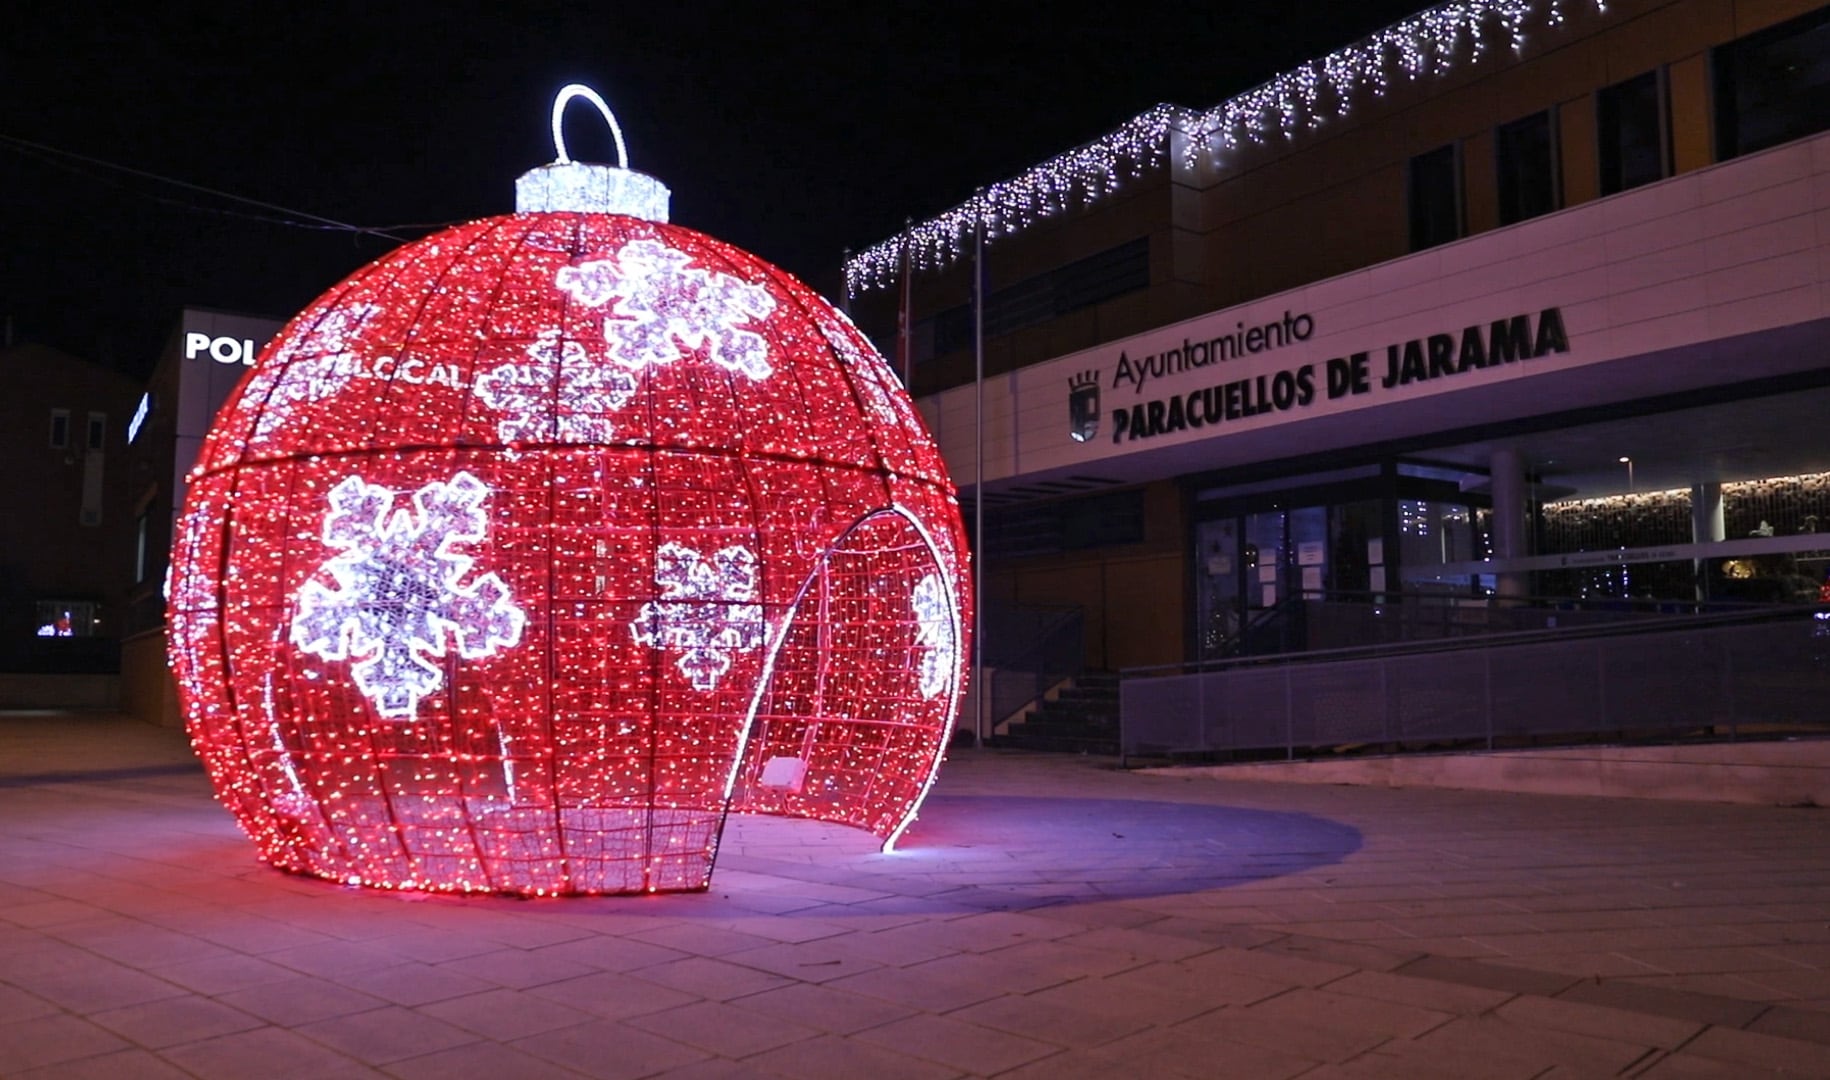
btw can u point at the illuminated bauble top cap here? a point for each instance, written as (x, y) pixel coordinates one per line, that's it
(585, 187)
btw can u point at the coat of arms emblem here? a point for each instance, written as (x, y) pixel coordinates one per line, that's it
(1083, 406)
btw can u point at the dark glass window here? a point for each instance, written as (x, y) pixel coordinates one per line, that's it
(98, 430)
(1527, 158)
(1050, 528)
(1080, 284)
(1435, 197)
(1630, 123)
(60, 428)
(1774, 86)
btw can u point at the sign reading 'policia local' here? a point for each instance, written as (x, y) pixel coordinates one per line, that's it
(1438, 356)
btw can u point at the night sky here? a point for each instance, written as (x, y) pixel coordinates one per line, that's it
(792, 130)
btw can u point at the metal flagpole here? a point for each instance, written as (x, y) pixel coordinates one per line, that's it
(978, 464)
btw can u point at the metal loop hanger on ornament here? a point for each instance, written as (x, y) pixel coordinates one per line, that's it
(580, 90)
(583, 187)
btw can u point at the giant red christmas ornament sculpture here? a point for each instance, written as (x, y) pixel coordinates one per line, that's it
(535, 546)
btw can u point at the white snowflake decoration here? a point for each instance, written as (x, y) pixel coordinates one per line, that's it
(706, 611)
(399, 590)
(558, 395)
(934, 631)
(660, 307)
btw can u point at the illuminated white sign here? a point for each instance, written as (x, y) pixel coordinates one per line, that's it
(223, 350)
(139, 416)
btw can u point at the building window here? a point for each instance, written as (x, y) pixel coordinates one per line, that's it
(98, 430)
(1080, 284)
(1435, 197)
(1631, 126)
(60, 429)
(1774, 86)
(1527, 158)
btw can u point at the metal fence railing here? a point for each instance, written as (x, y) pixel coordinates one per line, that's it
(1028, 651)
(1669, 677)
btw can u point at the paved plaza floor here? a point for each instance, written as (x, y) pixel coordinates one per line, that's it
(1048, 917)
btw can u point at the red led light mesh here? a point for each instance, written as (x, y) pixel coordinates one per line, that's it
(531, 548)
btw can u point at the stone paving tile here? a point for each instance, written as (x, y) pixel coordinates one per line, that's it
(731, 1031)
(816, 961)
(1200, 988)
(915, 988)
(833, 1058)
(415, 984)
(717, 980)
(224, 974)
(434, 946)
(506, 1015)
(611, 995)
(384, 1035)
(1423, 993)
(1194, 1050)
(609, 1050)
(685, 940)
(86, 984)
(1348, 1011)
(1676, 1004)
(900, 946)
(1762, 1051)
(604, 953)
(959, 1045)
(1488, 1038)
(517, 968)
(1810, 1025)
(1754, 986)
(1050, 1021)
(1317, 1038)
(1529, 1010)
(48, 1040)
(300, 1000)
(1690, 1067)
(837, 1011)
(268, 1053)
(133, 1064)
(16, 1004)
(481, 1061)
(331, 959)
(1351, 954)
(1516, 980)
(170, 1021)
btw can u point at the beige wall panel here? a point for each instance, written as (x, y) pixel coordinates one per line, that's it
(1667, 34)
(1576, 132)
(1146, 612)
(1691, 125)
(1754, 15)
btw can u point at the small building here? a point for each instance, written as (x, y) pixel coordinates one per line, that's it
(203, 361)
(1510, 300)
(65, 538)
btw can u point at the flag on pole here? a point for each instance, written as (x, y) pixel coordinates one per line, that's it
(905, 317)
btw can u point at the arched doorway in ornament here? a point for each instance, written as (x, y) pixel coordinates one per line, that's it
(860, 685)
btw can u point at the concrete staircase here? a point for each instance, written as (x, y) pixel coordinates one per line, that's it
(1079, 718)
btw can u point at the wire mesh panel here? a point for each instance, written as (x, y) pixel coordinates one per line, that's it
(1697, 679)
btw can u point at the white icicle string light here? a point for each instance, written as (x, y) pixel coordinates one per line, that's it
(1079, 177)
(1301, 99)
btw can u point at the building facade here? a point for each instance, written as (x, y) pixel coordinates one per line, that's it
(1516, 300)
(63, 548)
(205, 358)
